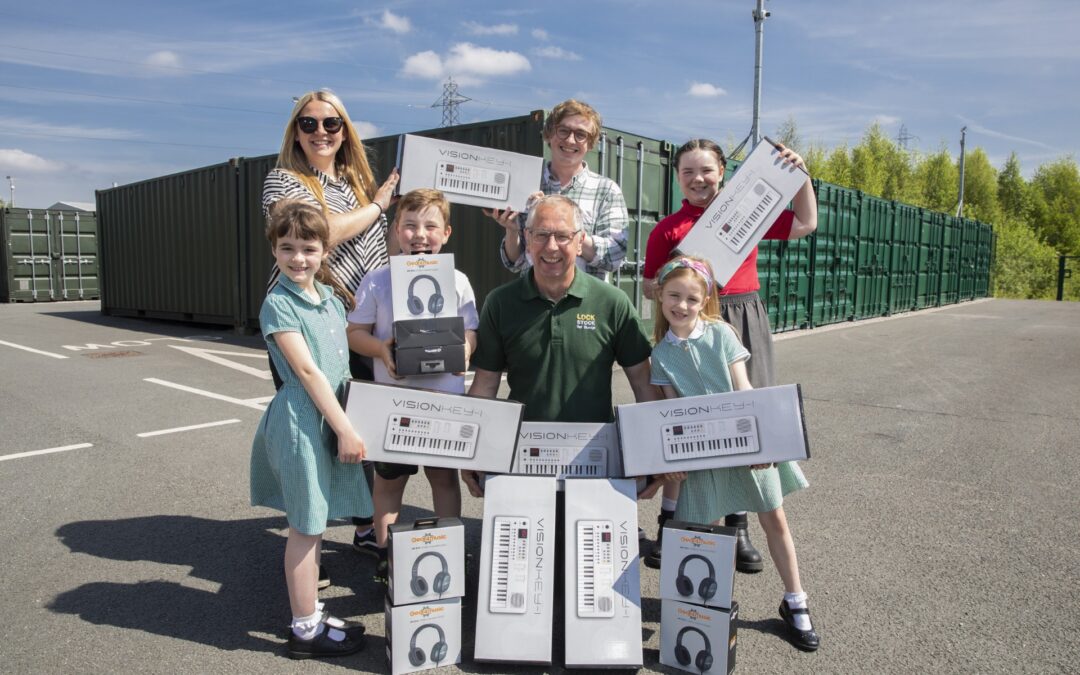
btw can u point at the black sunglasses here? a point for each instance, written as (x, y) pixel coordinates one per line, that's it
(310, 125)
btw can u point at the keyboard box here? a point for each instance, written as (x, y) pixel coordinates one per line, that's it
(747, 206)
(515, 608)
(760, 426)
(584, 450)
(430, 428)
(422, 286)
(692, 636)
(468, 174)
(429, 346)
(424, 636)
(601, 574)
(427, 560)
(698, 565)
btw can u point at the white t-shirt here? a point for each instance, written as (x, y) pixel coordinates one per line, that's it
(375, 305)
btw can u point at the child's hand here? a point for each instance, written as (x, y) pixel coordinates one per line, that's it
(472, 481)
(758, 467)
(675, 477)
(351, 448)
(652, 486)
(386, 353)
(789, 155)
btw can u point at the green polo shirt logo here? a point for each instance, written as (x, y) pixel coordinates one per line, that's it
(586, 321)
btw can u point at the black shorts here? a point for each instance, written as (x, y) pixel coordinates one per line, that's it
(391, 471)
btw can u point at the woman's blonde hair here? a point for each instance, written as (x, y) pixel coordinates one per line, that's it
(294, 218)
(351, 161)
(711, 309)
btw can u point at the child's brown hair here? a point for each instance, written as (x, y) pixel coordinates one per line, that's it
(290, 217)
(420, 199)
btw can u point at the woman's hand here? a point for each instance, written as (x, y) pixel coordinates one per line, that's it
(508, 219)
(383, 196)
(351, 448)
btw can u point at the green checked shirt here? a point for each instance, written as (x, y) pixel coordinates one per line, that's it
(605, 220)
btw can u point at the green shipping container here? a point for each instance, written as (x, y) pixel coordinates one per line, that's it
(931, 231)
(170, 247)
(48, 255)
(904, 257)
(872, 257)
(984, 252)
(951, 241)
(834, 254)
(969, 246)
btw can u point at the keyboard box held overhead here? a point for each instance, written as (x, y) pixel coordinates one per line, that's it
(429, 428)
(738, 428)
(468, 174)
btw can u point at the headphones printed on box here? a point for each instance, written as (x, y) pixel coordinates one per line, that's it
(706, 589)
(417, 657)
(704, 659)
(439, 585)
(434, 303)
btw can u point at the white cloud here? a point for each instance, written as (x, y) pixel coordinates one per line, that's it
(45, 129)
(12, 159)
(886, 120)
(395, 23)
(705, 90)
(366, 129)
(467, 62)
(498, 29)
(164, 59)
(540, 34)
(423, 64)
(556, 53)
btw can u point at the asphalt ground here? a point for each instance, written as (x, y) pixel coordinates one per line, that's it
(940, 533)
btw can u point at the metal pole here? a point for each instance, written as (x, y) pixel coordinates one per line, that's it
(759, 14)
(960, 202)
(11, 186)
(637, 230)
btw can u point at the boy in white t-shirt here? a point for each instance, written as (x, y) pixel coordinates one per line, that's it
(422, 225)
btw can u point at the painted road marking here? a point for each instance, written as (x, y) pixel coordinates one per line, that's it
(162, 432)
(32, 453)
(247, 403)
(31, 349)
(215, 356)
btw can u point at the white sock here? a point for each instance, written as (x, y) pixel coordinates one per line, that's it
(363, 531)
(307, 627)
(798, 601)
(330, 620)
(668, 504)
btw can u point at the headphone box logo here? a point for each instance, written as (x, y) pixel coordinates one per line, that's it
(694, 615)
(427, 611)
(422, 286)
(429, 539)
(697, 541)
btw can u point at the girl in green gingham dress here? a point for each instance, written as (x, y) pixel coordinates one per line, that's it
(296, 465)
(696, 353)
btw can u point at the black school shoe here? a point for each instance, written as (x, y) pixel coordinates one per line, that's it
(322, 645)
(806, 640)
(365, 543)
(353, 629)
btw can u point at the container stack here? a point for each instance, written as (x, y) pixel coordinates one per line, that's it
(424, 590)
(697, 611)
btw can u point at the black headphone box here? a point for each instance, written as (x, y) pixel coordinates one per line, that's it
(427, 561)
(697, 639)
(422, 636)
(698, 564)
(429, 346)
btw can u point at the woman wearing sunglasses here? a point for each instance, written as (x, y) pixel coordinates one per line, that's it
(322, 162)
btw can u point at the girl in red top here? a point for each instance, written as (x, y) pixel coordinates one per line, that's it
(700, 167)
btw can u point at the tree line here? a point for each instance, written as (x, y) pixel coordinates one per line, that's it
(1035, 220)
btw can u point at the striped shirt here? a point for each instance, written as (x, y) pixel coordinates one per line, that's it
(603, 210)
(351, 259)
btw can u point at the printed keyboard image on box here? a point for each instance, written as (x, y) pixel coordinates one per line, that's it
(474, 181)
(711, 438)
(509, 565)
(563, 462)
(595, 569)
(755, 205)
(428, 436)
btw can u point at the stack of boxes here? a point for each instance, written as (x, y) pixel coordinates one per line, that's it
(697, 612)
(424, 590)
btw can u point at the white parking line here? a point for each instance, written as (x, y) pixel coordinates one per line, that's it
(162, 432)
(209, 394)
(31, 349)
(32, 453)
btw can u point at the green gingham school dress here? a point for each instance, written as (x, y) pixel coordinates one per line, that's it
(697, 366)
(293, 467)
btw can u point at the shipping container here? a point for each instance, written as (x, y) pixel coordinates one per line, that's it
(834, 254)
(170, 247)
(872, 257)
(48, 255)
(904, 257)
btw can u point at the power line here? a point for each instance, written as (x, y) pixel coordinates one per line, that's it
(449, 102)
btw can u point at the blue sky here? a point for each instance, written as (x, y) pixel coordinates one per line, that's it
(94, 92)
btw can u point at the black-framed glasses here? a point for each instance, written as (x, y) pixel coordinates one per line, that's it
(540, 237)
(580, 135)
(310, 125)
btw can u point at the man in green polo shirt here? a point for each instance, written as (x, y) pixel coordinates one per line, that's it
(557, 331)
